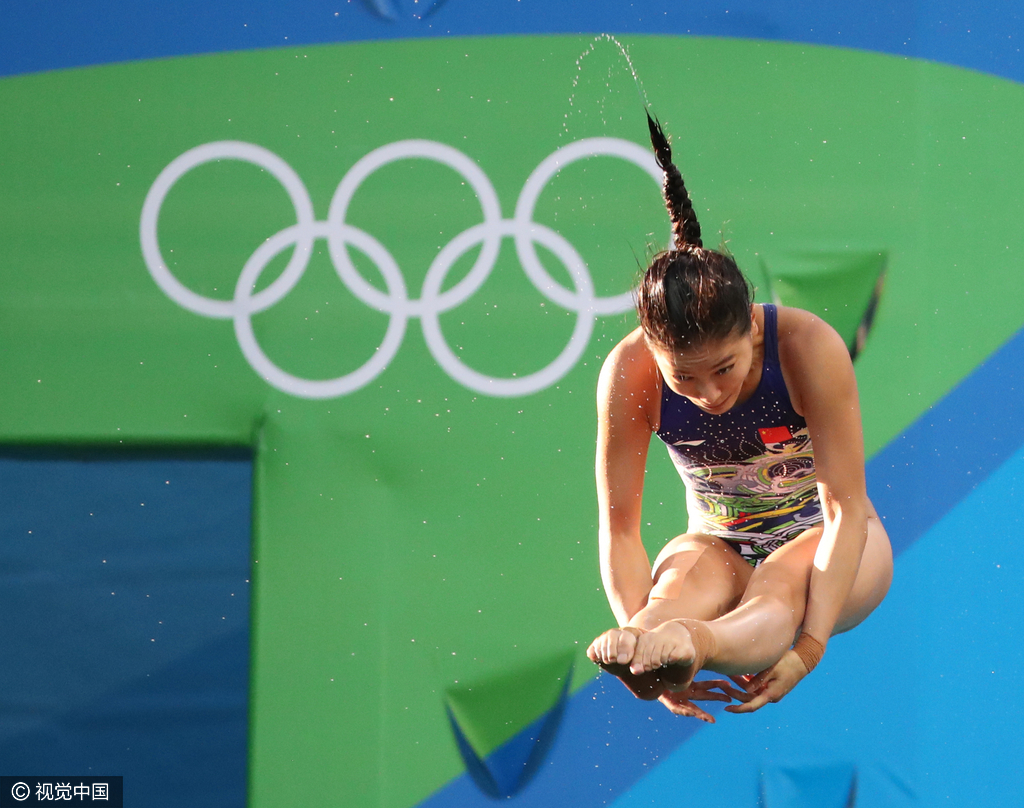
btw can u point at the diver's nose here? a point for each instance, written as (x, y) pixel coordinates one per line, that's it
(709, 393)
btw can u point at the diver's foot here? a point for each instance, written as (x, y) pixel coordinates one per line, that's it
(677, 650)
(614, 650)
(615, 647)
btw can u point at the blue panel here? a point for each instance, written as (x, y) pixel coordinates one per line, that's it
(124, 595)
(37, 36)
(924, 472)
(921, 699)
(821, 786)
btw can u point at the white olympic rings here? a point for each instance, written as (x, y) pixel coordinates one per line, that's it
(396, 301)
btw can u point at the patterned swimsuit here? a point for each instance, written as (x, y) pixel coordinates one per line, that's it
(749, 472)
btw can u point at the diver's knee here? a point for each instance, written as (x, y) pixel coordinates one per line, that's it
(647, 619)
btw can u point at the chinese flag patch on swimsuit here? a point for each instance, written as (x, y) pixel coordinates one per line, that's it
(775, 434)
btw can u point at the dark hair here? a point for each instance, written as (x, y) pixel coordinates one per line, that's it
(689, 295)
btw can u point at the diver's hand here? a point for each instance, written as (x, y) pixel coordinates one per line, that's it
(682, 703)
(771, 685)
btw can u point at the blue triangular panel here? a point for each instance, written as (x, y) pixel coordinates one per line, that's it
(823, 786)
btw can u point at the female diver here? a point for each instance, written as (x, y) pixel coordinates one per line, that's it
(784, 548)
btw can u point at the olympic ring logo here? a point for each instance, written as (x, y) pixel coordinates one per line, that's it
(396, 302)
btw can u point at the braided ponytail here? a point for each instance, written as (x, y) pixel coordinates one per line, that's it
(689, 295)
(685, 227)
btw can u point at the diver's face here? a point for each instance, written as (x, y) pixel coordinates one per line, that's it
(711, 375)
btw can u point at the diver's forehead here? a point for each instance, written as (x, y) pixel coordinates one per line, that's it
(697, 358)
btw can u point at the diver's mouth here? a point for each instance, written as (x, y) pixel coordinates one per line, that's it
(718, 409)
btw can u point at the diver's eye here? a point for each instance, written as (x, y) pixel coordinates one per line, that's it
(723, 371)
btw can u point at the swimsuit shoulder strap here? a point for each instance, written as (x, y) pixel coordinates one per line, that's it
(771, 333)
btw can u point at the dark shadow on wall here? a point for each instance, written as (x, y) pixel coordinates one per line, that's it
(124, 587)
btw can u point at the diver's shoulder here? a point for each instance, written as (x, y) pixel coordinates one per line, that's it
(630, 362)
(806, 332)
(633, 346)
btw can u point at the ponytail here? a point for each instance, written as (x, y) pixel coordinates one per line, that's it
(689, 295)
(685, 227)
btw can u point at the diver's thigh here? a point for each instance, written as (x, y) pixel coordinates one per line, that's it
(786, 572)
(873, 578)
(696, 567)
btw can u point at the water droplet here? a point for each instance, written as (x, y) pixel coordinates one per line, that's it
(624, 54)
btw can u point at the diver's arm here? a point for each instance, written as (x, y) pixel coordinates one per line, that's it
(623, 435)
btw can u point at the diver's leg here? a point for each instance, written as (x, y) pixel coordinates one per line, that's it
(695, 576)
(755, 634)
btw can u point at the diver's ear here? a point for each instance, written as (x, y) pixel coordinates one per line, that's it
(754, 330)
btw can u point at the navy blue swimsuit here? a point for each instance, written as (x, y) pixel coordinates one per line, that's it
(749, 472)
